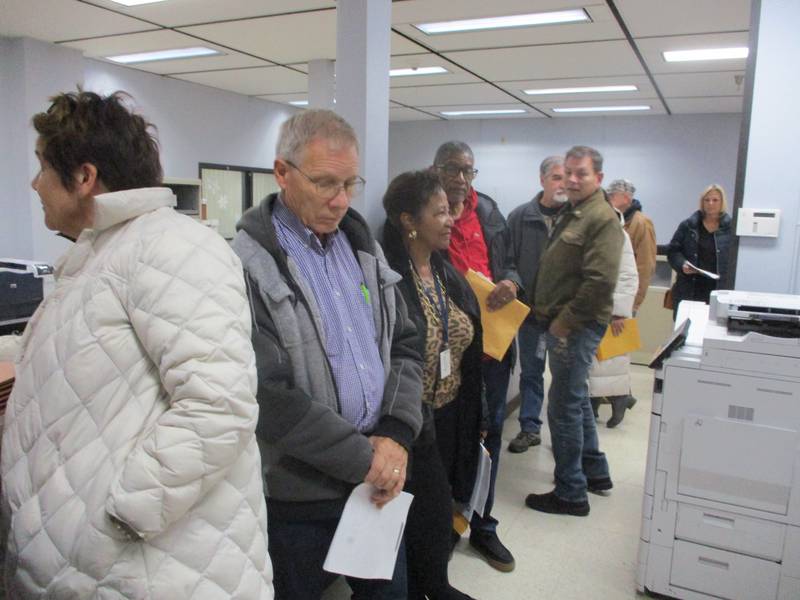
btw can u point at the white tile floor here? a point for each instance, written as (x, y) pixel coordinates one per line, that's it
(559, 556)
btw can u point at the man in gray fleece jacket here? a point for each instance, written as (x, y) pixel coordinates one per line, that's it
(340, 377)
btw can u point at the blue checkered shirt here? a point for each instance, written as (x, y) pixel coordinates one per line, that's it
(334, 274)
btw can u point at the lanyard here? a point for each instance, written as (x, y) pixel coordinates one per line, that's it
(440, 307)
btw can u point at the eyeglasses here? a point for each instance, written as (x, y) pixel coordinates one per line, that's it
(329, 188)
(452, 171)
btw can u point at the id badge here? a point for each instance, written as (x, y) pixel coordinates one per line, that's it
(541, 347)
(444, 363)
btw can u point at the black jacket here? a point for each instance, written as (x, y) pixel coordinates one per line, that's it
(469, 400)
(495, 234)
(683, 247)
(527, 236)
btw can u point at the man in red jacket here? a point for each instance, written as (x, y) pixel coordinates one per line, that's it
(478, 242)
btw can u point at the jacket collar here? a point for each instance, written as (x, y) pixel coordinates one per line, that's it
(635, 207)
(599, 195)
(724, 220)
(257, 222)
(114, 208)
(533, 210)
(111, 209)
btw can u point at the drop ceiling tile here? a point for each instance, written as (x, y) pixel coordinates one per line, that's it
(602, 27)
(435, 95)
(550, 62)
(401, 45)
(656, 108)
(678, 17)
(724, 104)
(651, 49)
(162, 40)
(276, 38)
(454, 73)
(400, 113)
(252, 82)
(63, 20)
(645, 90)
(685, 85)
(173, 14)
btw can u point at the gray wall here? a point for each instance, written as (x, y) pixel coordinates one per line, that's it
(765, 264)
(32, 71)
(670, 159)
(195, 124)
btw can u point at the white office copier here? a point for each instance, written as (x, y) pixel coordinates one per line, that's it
(721, 510)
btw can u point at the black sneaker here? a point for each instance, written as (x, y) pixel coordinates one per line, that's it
(523, 441)
(600, 484)
(550, 503)
(492, 549)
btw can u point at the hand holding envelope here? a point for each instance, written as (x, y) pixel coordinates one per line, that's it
(499, 326)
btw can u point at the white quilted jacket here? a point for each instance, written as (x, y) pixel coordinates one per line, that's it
(612, 377)
(135, 397)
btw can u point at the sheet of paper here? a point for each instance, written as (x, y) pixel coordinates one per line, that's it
(697, 312)
(367, 539)
(480, 491)
(499, 326)
(708, 274)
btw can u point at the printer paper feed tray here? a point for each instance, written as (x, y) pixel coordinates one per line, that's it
(737, 463)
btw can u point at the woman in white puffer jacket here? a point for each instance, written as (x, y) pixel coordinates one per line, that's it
(130, 468)
(610, 379)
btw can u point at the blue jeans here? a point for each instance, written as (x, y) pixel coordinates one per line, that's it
(298, 550)
(569, 413)
(496, 375)
(531, 381)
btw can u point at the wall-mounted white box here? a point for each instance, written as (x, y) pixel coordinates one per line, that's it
(759, 222)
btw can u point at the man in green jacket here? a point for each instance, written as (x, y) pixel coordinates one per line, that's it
(573, 303)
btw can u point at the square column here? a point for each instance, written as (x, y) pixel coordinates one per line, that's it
(321, 83)
(363, 30)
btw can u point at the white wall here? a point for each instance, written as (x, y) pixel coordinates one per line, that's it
(764, 264)
(14, 196)
(32, 72)
(670, 159)
(195, 124)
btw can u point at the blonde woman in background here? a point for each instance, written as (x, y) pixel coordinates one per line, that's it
(704, 241)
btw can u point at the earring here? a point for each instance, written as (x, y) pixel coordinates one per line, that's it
(412, 235)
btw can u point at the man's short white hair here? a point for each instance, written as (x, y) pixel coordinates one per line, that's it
(304, 127)
(621, 186)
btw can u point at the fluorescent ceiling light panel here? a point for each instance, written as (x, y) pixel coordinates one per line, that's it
(706, 54)
(173, 54)
(588, 89)
(417, 71)
(582, 109)
(545, 18)
(464, 113)
(136, 2)
(299, 102)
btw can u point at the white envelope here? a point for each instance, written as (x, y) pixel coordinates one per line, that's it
(367, 538)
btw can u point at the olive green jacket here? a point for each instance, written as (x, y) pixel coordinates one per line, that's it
(579, 268)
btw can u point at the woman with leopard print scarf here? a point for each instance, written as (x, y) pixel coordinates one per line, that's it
(444, 458)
